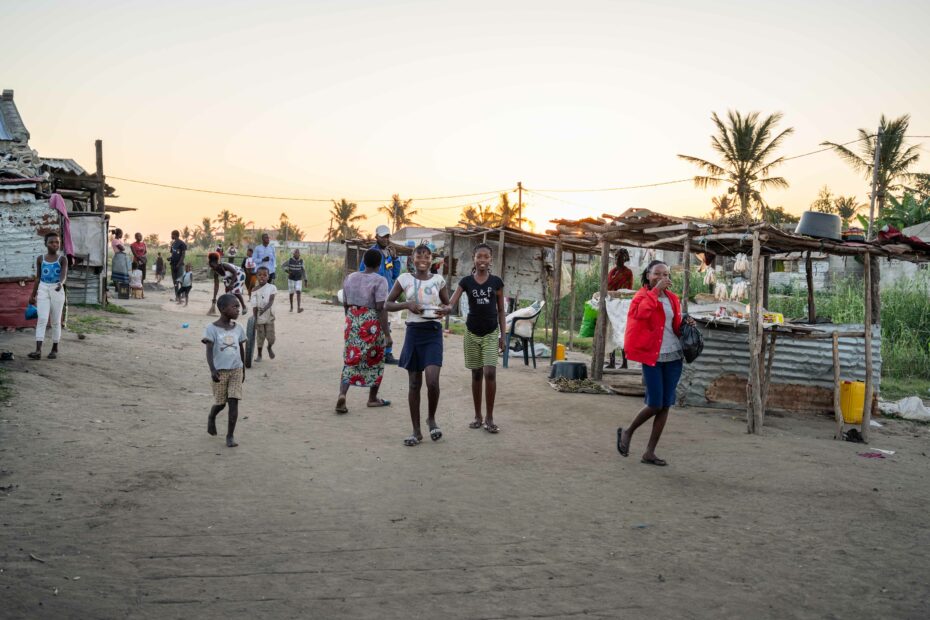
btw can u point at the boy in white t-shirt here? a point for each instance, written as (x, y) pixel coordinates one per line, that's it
(262, 302)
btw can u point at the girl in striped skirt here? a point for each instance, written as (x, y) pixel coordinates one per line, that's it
(484, 332)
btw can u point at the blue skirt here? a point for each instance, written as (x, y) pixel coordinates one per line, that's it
(422, 346)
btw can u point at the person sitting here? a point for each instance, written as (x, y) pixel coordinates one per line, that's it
(121, 268)
(135, 281)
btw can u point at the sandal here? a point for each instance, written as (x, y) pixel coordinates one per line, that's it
(656, 461)
(380, 403)
(476, 424)
(624, 451)
(435, 434)
(35, 355)
(491, 428)
(341, 405)
(411, 441)
(51, 356)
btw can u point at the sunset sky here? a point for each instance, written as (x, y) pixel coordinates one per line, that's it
(361, 99)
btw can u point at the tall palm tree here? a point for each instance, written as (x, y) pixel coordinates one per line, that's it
(288, 231)
(480, 216)
(895, 159)
(846, 207)
(224, 219)
(724, 207)
(344, 221)
(204, 234)
(187, 235)
(399, 212)
(509, 214)
(746, 145)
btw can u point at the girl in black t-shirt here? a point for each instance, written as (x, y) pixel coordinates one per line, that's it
(484, 332)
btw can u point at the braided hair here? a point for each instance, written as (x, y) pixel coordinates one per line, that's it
(648, 269)
(480, 246)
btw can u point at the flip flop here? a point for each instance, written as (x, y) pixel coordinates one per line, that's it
(381, 403)
(411, 441)
(34, 355)
(341, 405)
(623, 451)
(476, 424)
(491, 428)
(656, 461)
(435, 434)
(52, 356)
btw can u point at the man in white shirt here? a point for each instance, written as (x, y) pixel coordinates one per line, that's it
(264, 256)
(263, 312)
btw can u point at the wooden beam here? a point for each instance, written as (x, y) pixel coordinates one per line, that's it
(867, 405)
(768, 371)
(451, 270)
(571, 311)
(672, 228)
(754, 391)
(766, 271)
(809, 268)
(544, 283)
(600, 333)
(665, 240)
(837, 410)
(686, 284)
(556, 297)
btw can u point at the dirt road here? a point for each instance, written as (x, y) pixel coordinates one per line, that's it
(115, 503)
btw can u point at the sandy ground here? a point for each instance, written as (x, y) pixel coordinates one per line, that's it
(108, 476)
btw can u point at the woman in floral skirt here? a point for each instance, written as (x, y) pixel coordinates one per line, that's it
(366, 334)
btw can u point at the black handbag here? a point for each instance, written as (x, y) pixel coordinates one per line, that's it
(692, 342)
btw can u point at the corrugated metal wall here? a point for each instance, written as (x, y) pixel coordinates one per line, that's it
(802, 370)
(22, 227)
(84, 286)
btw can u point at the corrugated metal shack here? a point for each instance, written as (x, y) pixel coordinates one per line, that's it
(26, 182)
(741, 367)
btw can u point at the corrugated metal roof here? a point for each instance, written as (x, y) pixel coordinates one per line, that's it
(797, 363)
(4, 133)
(62, 165)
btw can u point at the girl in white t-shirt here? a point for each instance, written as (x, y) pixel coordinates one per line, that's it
(428, 301)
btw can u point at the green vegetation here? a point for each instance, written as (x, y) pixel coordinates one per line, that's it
(111, 308)
(91, 324)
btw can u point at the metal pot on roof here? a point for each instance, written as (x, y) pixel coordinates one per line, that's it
(820, 225)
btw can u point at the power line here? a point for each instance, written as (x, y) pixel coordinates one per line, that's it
(294, 198)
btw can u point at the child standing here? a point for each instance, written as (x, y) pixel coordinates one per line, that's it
(295, 275)
(159, 269)
(262, 301)
(484, 332)
(427, 301)
(224, 340)
(48, 294)
(186, 284)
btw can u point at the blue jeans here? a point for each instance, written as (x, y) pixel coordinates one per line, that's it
(661, 381)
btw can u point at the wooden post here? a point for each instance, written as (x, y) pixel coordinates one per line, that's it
(837, 410)
(754, 391)
(686, 283)
(100, 207)
(451, 265)
(766, 270)
(571, 310)
(544, 283)
(556, 298)
(867, 405)
(811, 310)
(600, 333)
(768, 373)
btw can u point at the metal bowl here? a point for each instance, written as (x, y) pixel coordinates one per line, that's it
(820, 225)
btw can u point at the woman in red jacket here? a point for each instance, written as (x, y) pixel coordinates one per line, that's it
(653, 326)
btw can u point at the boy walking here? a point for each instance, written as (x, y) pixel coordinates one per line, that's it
(296, 274)
(224, 340)
(262, 310)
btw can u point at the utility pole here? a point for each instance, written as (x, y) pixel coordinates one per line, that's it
(520, 203)
(878, 150)
(329, 235)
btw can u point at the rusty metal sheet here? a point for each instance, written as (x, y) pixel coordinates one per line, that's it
(22, 228)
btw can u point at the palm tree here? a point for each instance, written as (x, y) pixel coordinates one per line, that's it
(288, 231)
(204, 234)
(508, 213)
(480, 216)
(846, 207)
(724, 206)
(344, 218)
(825, 202)
(399, 212)
(186, 234)
(224, 219)
(895, 159)
(746, 145)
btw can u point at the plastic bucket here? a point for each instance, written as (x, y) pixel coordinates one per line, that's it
(852, 399)
(559, 352)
